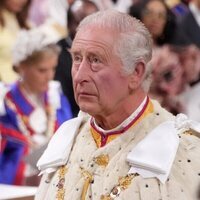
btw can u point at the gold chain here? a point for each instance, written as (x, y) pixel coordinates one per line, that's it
(124, 182)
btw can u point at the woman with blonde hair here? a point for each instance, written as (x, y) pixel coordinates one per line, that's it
(34, 106)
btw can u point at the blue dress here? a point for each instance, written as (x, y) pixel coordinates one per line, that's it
(17, 127)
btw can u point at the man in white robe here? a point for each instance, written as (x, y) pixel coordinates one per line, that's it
(123, 145)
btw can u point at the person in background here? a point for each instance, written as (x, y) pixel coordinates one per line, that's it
(175, 79)
(168, 79)
(42, 10)
(178, 7)
(33, 107)
(190, 60)
(13, 17)
(78, 10)
(160, 21)
(50, 17)
(123, 145)
(190, 23)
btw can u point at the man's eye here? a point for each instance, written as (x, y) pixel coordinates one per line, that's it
(77, 59)
(94, 60)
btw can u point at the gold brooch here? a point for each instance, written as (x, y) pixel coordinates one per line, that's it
(124, 182)
(102, 160)
(188, 132)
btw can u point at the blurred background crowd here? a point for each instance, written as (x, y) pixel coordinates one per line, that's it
(36, 93)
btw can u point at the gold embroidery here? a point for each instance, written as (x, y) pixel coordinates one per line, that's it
(102, 160)
(188, 132)
(88, 179)
(103, 197)
(124, 182)
(61, 183)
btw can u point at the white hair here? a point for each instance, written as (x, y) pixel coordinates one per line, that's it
(134, 44)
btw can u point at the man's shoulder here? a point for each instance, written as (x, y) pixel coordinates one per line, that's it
(63, 138)
(190, 140)
(189, 137)
(161, 112)
(187, 163)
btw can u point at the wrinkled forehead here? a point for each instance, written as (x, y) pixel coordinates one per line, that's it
(95, 36)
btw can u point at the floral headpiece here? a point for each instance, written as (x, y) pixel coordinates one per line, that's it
(27, 42)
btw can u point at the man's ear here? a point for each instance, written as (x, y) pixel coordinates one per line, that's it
(136, 77)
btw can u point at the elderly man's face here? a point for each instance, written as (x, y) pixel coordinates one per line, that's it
(100, 85)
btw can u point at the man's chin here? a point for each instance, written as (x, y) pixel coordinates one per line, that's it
(84, 109)
(88, 109)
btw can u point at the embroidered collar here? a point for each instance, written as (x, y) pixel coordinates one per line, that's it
(102, 136)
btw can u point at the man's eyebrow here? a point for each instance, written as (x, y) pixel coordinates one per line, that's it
(72, 51)
(91, 52)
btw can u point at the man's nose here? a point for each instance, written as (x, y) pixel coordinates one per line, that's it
(82, 72)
